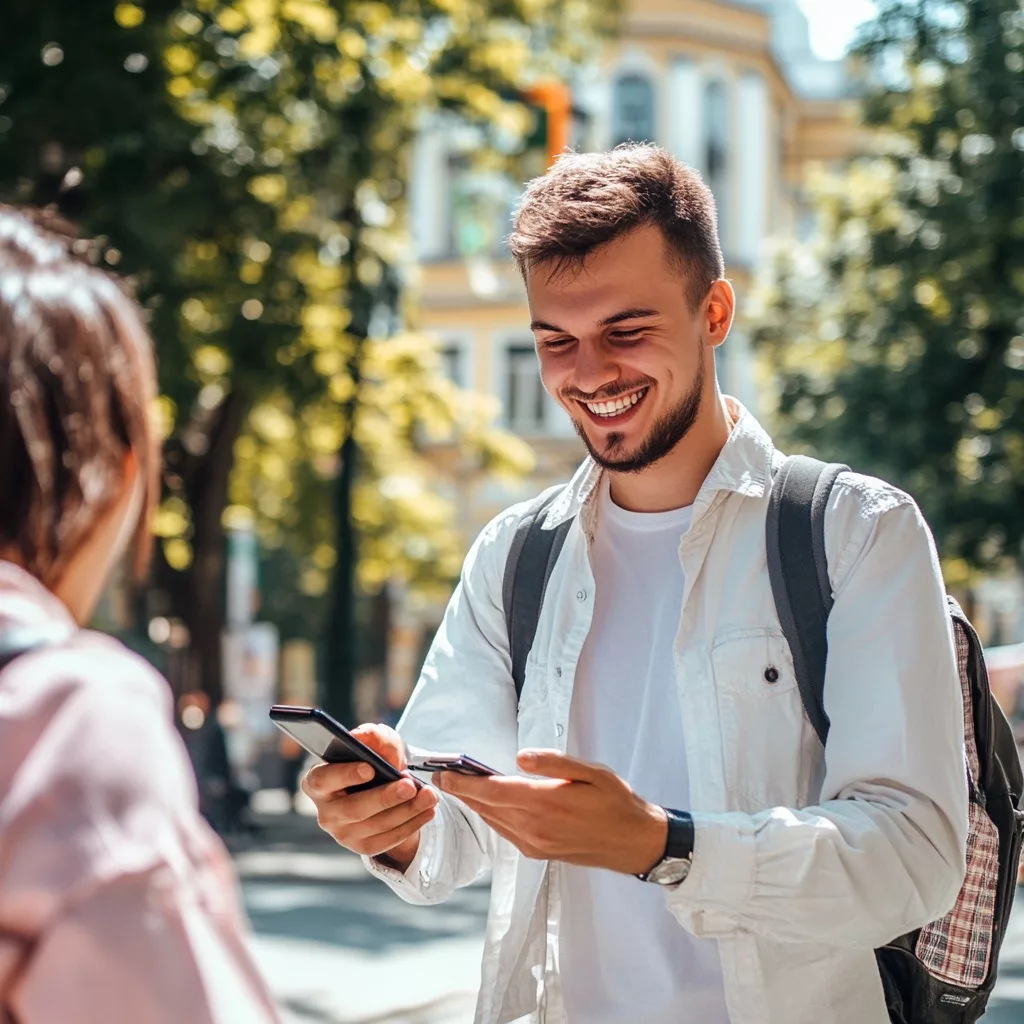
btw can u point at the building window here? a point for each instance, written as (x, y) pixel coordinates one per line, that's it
(452, 359)
(716, 147)
(524, 395)
(481, 204)
(634, 110)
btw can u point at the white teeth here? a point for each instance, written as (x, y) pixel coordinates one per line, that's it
(618, 406)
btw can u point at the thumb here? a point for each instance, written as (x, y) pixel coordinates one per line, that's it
(553, 764)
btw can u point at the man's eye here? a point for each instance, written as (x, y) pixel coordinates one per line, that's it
(632, 335)
(556, 343)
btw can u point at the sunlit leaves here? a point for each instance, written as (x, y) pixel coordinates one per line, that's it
(129, 15)
(272, 423)
(172, 519)
(178, 553)
(317, 17)
(179, 59)
(269, 188)
(909, 309)
(211, 362)
(287, 456)
(254, 180)
(163, 413)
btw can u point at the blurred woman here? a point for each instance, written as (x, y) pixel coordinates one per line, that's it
(117, 903)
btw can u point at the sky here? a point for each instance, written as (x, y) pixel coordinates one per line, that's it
(834, 23)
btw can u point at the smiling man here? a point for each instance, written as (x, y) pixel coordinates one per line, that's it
(670, 843)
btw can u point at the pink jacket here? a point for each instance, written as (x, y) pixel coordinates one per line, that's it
(117, 902)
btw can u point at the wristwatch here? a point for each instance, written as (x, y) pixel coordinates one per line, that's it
(674, 865)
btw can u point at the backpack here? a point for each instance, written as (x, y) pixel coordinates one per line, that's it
(942, 973)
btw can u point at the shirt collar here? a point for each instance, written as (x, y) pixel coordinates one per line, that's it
(743, 466)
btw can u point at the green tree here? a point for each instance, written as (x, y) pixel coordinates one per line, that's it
(247, 162)
(897, 340)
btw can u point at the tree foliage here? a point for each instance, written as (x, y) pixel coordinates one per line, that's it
(898, 339)
(248, 162)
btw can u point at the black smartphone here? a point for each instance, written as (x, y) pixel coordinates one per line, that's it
(326, 738)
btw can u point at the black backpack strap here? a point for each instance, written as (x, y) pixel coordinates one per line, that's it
(531, 558)
(798, 570)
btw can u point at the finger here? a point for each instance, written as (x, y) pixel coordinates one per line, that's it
(377, 845)
(386, 821)
(383, 740)
(490, 813)
(505, 794)
(511, 829)
(556, 765)
(497, 791)
(352, 808)
(324, 781)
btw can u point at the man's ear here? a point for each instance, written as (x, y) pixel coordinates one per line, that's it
(719, 311)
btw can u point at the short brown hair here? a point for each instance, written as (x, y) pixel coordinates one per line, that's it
(77, 378)
(588, 199)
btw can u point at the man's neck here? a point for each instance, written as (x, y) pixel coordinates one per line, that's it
(675, 480)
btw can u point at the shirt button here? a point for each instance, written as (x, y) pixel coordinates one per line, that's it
(559, 730)
(558, 672)
(771, 674)
(581, 595)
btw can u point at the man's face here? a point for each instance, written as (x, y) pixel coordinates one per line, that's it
(621, 350)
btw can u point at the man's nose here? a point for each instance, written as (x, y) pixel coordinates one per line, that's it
(594, 369)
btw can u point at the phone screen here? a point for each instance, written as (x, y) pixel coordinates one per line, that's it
(326, 738)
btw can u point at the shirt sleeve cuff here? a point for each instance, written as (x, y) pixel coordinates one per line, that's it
(417, 878)
(724, 863)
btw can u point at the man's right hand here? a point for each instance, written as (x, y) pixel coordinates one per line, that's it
(382, 822)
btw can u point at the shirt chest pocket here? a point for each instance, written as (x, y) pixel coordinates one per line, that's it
(765, 734)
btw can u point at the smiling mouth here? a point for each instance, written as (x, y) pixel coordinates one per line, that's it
(618, 409)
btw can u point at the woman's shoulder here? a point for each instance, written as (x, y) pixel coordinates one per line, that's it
(86, 667)
(90, 720)
(95, 783)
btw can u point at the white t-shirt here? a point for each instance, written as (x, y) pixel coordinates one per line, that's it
(623, 958)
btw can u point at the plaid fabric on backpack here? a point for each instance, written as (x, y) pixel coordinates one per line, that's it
(942, 973)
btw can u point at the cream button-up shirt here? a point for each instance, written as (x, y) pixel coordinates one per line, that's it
(805, 860)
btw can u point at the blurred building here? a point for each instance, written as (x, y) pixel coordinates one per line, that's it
(731, 88)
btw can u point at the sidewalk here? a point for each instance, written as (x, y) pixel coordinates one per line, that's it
(337, 947)
(1007, 1003)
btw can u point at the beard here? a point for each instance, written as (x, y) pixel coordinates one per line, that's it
(666, 433)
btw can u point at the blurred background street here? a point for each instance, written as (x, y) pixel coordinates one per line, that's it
(338, 947)
(311, 199)
(349, 385)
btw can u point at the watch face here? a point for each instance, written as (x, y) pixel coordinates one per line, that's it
(671, 871)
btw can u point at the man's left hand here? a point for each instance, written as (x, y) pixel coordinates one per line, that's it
(577, 812)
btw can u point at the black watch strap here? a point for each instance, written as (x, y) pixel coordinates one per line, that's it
(679, 844)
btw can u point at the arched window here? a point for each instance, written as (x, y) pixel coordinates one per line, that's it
(633, 110)
(716, 146)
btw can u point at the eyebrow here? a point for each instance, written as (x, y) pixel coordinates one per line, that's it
(635, 313)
